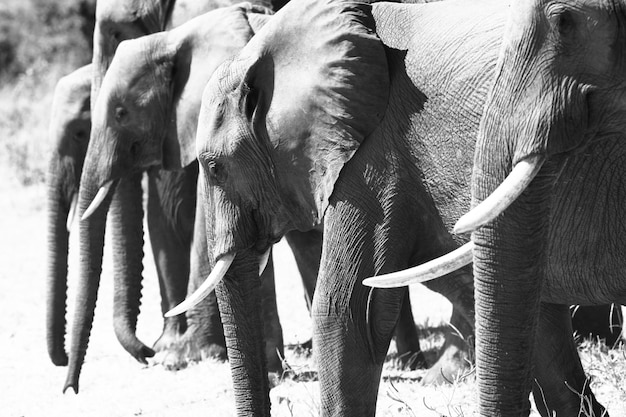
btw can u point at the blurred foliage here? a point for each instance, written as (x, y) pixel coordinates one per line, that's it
(36, 33)
(40, 41)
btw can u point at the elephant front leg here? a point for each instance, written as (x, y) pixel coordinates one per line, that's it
(171, 208)
(204, 337)
(352, 327)
(560, 386)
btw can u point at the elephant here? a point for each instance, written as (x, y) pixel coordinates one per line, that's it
(547, 191)
(117, 20)
(70, 129)
(321, 118)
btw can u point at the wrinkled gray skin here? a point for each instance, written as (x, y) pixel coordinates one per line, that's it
(283, 140)
(563, 67)
(397, 194)
(117, 20)
(70, 124)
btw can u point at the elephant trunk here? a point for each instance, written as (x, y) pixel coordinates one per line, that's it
(127, 232)
(58, 237)
(239, 298)
(509, 262)
(91, 242)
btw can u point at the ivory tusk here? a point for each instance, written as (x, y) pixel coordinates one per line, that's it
(502, 197)
(436, 268)
(72, 213)
(263, 259)
(102, 193)
(209, 284)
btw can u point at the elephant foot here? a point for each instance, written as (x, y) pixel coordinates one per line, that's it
(454, 363)
(190, 348)
(173, 331)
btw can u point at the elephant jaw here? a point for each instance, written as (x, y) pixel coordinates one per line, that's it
(502, 197)
(511, 188)
(98, 199)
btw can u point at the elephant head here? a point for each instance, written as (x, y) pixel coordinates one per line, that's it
(70, 125)
(146, 115)
(277, 125)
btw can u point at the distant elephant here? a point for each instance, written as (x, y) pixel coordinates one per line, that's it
(70, 124)
(314, 119)
(548, 195)
(69, 130)
(117, 20)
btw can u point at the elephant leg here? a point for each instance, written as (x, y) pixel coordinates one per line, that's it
(204, 337)
(171, 208)
(352, 326)
(273, 331)
(307, 251)
(407, 339)
(456, 356)
(561, 386)
(603, 322)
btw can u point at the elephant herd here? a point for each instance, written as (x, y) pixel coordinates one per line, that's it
(361, 133)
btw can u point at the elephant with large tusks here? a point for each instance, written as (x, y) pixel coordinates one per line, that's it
(320, 117)
(547, 196)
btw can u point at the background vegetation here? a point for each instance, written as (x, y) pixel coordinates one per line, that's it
(40, 41)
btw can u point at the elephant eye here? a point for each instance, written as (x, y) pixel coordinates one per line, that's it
(120, 114)
(215, 171)
(79, 135)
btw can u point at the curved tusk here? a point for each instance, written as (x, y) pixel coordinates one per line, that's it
(102, 193)
(263, 259)
(72, 213)
(436, 268)
(510, 189)
(209, 284)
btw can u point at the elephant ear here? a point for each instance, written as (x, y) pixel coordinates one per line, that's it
(200, 46)
(318, 73)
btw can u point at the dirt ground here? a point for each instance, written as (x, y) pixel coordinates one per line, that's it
(114, 384)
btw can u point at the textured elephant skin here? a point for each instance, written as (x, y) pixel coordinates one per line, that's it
(404, 180)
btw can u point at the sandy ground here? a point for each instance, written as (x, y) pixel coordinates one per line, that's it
(114, 384)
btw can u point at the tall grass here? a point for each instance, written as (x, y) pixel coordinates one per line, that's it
(40, 41)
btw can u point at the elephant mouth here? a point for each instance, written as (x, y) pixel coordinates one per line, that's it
(484, 213)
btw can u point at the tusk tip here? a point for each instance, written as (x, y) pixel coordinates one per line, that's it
(371, 282)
